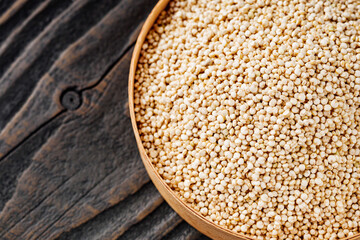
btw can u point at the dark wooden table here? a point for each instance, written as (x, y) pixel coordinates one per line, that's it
(69, 165)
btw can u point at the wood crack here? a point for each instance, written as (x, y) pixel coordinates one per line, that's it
(20, 159)
(31, 134)
(110, 68)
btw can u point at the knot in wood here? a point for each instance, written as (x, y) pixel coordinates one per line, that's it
(71, 99)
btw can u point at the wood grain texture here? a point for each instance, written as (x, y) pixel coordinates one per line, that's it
(5, 5)
(155, 226)
(183, 232)
(16, 12)
(22, 76)
(87, 144)
(117, 220)
(28, 29)
(73, 173)
(82, 65)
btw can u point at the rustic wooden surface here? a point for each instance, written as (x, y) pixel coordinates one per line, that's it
(69, 166)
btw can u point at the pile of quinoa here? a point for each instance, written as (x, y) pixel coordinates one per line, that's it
(249, 110)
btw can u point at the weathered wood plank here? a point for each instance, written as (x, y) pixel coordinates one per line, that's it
(154, 226)
(115, 221)
(18, 37)
(58, 178)
(79, 172)
(36, 59)
(81, 65)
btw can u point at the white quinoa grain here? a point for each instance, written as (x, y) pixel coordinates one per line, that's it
(249, 110)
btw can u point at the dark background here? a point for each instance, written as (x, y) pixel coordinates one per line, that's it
(69, 165)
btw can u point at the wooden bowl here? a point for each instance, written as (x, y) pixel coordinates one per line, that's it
(185, 211)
